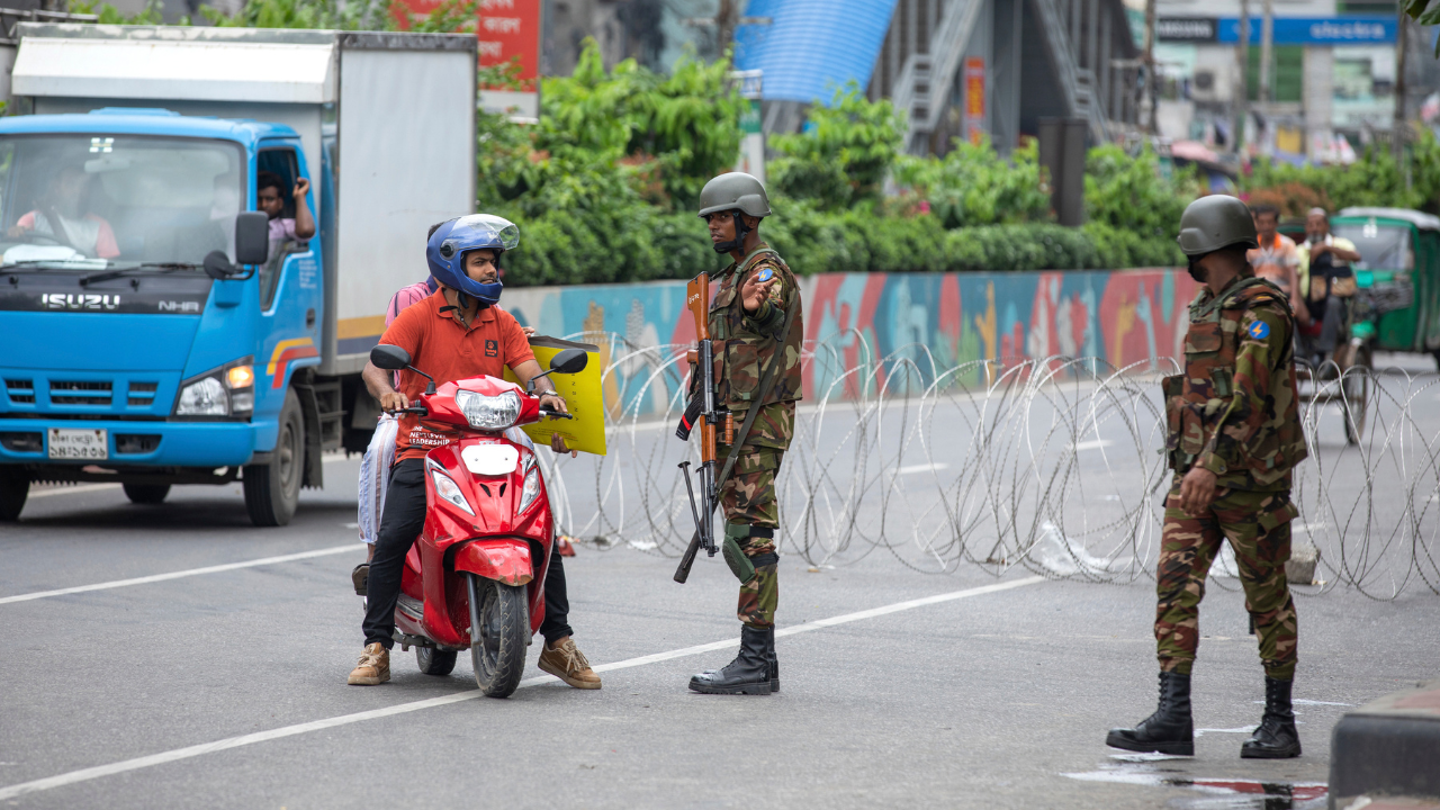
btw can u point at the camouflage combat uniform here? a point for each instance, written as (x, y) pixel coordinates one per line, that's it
(750, 340)
(1233, 412)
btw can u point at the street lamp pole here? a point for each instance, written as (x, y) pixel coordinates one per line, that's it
(1242, 91)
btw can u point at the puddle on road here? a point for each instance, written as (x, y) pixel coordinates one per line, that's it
(1219, 794)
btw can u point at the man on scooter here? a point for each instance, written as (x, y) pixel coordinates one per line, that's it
(455, 334)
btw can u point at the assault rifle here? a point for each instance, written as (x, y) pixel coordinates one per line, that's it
(701, 412)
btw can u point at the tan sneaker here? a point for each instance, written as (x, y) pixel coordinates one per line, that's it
(373, 668)
(567, 663)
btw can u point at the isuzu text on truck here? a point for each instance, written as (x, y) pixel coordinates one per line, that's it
(156, 328)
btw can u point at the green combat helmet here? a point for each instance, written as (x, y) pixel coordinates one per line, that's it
(738, 193)
(1215, 222)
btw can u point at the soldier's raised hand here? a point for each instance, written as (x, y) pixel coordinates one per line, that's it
(757, 288)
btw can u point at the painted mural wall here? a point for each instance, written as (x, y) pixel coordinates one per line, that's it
(876, 320)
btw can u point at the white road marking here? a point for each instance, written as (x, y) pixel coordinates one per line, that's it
(138, 763)
(45, 493)
(192, 572)
(915, 468)
(1093, 444)
(1307, 528)
(1241, 730)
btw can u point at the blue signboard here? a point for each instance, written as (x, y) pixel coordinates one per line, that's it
(1315, 30)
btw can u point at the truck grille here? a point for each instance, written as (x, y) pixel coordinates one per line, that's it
(79, 393)
(142, 394)
(20, 391)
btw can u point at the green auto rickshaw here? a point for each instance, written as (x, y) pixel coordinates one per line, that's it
(1398, 276)
(1395, 307)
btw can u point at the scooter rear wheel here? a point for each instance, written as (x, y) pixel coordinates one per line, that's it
(435, 662)
(498, 649)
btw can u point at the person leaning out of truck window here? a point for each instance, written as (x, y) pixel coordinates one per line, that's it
(64, 216)
(270, 194)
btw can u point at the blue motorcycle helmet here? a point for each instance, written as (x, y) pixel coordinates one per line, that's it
(446, 249)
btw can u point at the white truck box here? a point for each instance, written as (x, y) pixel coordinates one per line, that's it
(395, 111)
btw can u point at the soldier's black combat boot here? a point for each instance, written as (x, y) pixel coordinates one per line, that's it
(1169, 730)
(748, 674)
(1276, 738)
(770, 656)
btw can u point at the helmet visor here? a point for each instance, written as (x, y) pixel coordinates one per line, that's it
(484, 231)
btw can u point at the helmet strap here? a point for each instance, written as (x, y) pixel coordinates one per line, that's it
(741, 231)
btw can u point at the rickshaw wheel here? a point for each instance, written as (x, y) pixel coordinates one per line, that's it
(1356, 382)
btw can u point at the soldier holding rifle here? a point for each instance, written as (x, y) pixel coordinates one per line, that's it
(746, 418)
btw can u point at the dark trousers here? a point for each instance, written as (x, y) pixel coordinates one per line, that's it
(401, 523)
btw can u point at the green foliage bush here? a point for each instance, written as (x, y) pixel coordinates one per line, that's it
(1375, 179)
(973, 185)
(859, 138)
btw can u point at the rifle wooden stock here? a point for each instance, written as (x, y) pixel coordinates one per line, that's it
(697, 300)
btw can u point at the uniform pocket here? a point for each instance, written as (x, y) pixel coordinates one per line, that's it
(742, 369)
(1273, 545)
(1204, 338)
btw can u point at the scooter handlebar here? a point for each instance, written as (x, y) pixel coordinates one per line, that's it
(556, 414)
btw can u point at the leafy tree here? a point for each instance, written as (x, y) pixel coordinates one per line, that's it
(859, 138)
(972, 185)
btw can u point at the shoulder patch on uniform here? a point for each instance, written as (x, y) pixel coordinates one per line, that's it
(1258, 330)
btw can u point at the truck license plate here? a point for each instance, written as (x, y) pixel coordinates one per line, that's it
(79, 444)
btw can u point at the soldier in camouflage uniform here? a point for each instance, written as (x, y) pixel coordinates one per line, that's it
(1234, 436)
(756, 298)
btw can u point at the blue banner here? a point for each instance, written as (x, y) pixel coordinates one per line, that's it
(1316, 30)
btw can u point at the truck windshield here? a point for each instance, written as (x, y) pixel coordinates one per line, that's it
(1382, 247)
(117, 201)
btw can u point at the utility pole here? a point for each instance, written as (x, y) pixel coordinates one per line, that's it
(1399, 125)
(1242, 92)
(1267, 46)
(1152, 81)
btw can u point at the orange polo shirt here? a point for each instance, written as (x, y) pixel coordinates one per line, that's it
(441, 346)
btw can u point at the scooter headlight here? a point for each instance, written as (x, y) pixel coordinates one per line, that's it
(489, 413)
(449, 490)
(531, 490)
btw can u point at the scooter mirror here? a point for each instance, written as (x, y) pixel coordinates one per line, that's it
(570, 361)
(390, 358)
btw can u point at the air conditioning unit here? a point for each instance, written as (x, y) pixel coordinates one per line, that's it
(1210, 84)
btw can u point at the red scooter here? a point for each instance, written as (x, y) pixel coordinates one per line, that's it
(475, 579)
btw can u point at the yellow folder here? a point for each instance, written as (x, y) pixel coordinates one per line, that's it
(586, 432)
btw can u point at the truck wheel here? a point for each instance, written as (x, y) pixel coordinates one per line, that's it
(146, 493)
(272, 490)
(14, 487)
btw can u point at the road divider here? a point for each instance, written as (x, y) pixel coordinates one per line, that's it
(189, 752)
(192, 572)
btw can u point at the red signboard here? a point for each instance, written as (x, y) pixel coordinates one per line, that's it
(974, 99)
(507, 29)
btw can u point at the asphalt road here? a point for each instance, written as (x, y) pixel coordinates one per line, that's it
(998, 695)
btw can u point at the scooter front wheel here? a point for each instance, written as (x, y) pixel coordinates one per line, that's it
(499, 630)
(435, 662)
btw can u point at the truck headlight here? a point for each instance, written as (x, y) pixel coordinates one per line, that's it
(489, 413)
(205, 397)
(225, 391)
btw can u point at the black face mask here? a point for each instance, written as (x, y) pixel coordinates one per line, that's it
(1196, 271)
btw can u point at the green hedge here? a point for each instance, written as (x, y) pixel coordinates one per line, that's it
(646, 246)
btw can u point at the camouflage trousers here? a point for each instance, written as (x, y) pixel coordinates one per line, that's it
(1258, 527)
(748, 501)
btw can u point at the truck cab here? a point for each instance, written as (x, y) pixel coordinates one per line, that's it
(159, 329)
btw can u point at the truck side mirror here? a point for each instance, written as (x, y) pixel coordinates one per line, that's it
(570, 361)
(389, 357)
(252, 237)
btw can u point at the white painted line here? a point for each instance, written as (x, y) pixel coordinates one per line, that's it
(87, 774)
(1093, 444)
(917, 468)
(45, 493)
(1306, 528)
(211, 569)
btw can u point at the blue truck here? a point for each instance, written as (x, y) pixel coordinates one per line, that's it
(157, 328)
